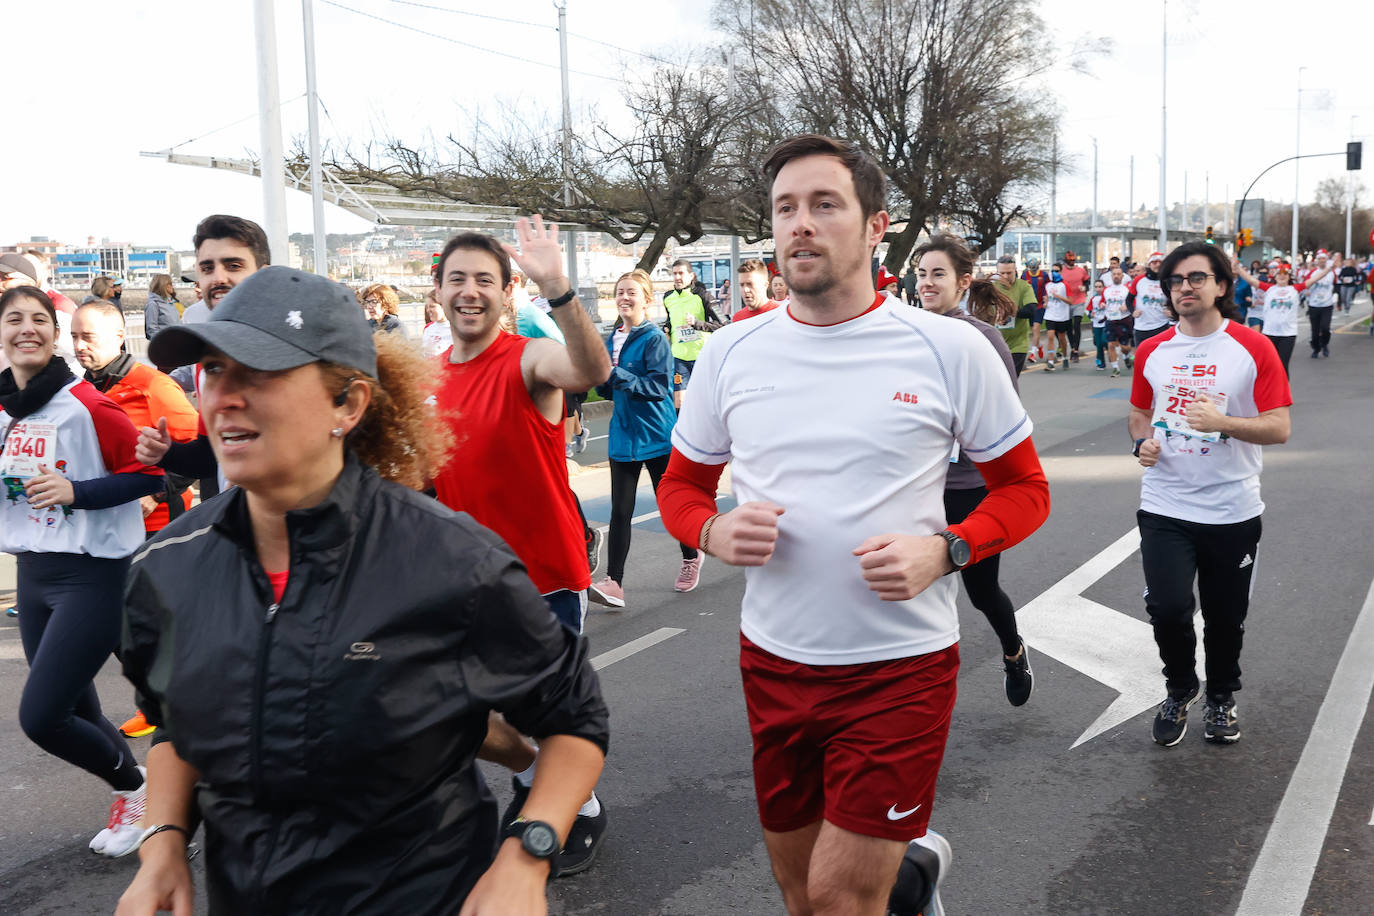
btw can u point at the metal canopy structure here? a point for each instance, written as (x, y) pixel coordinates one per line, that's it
(376, 203)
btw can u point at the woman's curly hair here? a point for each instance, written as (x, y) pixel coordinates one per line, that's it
(399, 435)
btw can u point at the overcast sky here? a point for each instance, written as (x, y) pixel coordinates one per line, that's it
(102, 81)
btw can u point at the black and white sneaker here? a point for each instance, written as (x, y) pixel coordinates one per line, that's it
(1221, 725)
(1171, 722)
(917, 890)
(1019, 680)
(584, 842)
(595, 541)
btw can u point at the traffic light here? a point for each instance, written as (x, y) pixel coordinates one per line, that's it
(1208, 236)
(1352, 155)
(1244, 238)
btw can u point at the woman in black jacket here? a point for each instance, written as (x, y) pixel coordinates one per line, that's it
(327, 716)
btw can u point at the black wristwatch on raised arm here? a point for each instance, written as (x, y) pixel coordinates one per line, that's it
(1136, 451)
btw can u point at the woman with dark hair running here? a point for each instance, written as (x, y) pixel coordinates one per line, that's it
(71, 518)
(944, 275)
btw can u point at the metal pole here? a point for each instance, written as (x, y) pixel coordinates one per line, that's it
(312, 101)
(1130, 198)
(571, 243)
(1054, 198)
(1349, 193)
(1206, 193)
(1184, 222)
(269, 129)
(1164, 135)
(1297, 143)
(735, 300)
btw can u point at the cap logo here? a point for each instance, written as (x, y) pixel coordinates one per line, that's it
(294, 319)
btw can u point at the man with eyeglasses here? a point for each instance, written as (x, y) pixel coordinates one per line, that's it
(1206, 395)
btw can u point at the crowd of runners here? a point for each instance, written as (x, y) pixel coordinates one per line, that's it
(321, 722)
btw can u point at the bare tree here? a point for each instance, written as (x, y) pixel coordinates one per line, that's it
(935, 89)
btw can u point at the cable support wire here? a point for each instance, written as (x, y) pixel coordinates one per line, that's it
(466, 44)
(534, 25)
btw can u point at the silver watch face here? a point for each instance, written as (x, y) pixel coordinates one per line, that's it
(540, 840)
(959, 552)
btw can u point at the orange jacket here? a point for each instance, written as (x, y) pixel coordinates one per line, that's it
(147, 395)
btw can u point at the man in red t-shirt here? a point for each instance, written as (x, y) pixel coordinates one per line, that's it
(503, 396)
(753, 290)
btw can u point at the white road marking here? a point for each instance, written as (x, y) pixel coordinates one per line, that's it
(1282, 874)
(645, 517)
(1108, 646)
(620, 653)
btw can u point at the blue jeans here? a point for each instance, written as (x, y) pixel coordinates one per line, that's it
(569, 607)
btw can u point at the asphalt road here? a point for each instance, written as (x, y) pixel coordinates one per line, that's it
(1114, 825)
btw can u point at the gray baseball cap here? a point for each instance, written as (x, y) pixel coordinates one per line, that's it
(279, 318)
(14, 263)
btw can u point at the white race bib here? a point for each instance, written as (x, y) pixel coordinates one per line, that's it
(687, 335)
(1171, 410)
(28, 446)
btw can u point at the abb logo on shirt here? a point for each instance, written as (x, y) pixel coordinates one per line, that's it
(906, 397)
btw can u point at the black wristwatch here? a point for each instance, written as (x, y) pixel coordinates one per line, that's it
(564, 299)
(1136, 451)
(959, 552)
(537, 838)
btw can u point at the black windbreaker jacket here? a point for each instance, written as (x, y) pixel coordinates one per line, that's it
(335, 732)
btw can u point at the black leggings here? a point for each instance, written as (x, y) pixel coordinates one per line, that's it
(624, 483)
(1320, 320)
(980, 579)
(1284, 345)
(69, 618)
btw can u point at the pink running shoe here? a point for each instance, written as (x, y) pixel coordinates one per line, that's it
(690, 575)
(607, 592)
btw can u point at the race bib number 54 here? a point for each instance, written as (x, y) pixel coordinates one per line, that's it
(28, 446)
(1171, 410)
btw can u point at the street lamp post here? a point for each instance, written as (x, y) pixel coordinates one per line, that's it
(1297, 152)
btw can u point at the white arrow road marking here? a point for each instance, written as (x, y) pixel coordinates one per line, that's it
(1282, 873)
(1108, 646)
(620, 653)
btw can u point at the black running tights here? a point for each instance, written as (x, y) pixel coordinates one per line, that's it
(624, 483)
(980, 579)
(69, 618)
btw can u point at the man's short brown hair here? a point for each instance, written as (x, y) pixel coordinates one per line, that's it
(869, 182)
(474, 241)
(753, 265)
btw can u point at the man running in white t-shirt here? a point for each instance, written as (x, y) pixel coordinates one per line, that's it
(1151, 316)
(1116, 308)
(1206, 395)
(838, 412)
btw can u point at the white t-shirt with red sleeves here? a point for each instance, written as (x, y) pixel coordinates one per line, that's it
(849, 428)
(82, 435)
(1281, 308)
(1198, 479)
(1322, 294)
(1149, 299)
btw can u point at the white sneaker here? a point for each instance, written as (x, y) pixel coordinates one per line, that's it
(124, 830)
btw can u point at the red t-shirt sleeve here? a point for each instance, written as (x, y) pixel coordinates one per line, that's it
(687, 496)
(114, 431)
(1271, 382)
(1142, 392)
(1018, 502)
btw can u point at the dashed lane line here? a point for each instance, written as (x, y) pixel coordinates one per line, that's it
(620, 653)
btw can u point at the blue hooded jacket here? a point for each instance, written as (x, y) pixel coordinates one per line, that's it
(641, 386)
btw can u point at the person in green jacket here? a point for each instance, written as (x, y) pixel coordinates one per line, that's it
(691, 319)
(1016, 332)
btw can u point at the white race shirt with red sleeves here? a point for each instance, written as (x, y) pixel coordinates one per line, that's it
(1215, 483)
(1149, 299)
(1281, 308)
(849, 428)
(80, 434)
